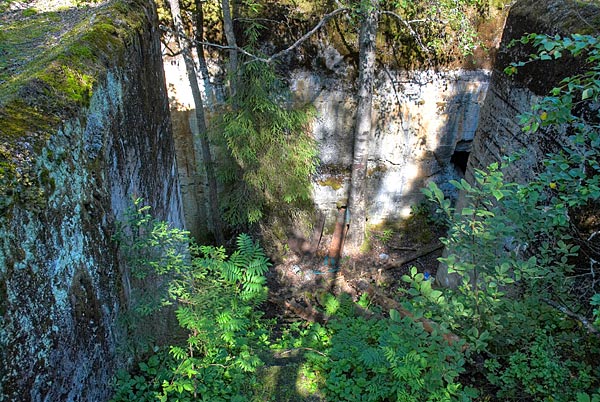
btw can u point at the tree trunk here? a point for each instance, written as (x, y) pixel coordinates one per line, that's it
(357, 204)
(231, 43)
(209, 91)
(201, 146)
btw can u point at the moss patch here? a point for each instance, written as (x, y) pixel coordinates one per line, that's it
(50, 62)
(284, 378)
(333, 175)
(335, 182)
(51, 70)
(379, 169)
(417, 227)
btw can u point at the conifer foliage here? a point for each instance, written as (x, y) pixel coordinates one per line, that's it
(272, 156)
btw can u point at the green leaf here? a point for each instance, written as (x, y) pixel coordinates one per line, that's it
(549, 45)
(581, 397)
(498, 195)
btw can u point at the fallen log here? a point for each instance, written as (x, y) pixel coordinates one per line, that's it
(583, 320)
(308, 313)
(414, 256)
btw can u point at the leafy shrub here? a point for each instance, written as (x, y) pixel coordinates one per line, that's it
(216, 298)
(154, 254)
(521, 301)
(539, 372)
(387, 358)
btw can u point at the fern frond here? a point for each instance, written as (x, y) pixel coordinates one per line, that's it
(224, 318)
(231, 272)
(372, 357)
(258, 266)
(177, 352)
(245, 244)
(186, 317)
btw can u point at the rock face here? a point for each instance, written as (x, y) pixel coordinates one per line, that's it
(499, 134)
(62, 284)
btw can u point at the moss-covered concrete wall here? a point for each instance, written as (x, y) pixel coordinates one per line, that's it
(84, 126)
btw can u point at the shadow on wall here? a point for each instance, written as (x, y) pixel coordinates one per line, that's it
(424, 133)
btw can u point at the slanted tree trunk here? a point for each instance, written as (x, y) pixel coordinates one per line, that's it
(231, 43)
(357, 201)
(201, 146)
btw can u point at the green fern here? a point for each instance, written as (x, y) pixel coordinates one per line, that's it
(232, 272)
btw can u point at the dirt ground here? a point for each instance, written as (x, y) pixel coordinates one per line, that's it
(296, 283)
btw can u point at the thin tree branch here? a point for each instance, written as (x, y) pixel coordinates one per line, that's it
(413, 256)
(307, 35)
(281, 53)
(303, 348)
(387, 72)
(239, 49)
(241, 19)
(170, 52)
(583, 320)
(408, 26)
(390, 304)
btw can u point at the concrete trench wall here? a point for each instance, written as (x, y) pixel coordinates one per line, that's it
(61, 278)
(423, 117)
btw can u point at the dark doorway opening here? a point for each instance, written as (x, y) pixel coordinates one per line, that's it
(460, 160)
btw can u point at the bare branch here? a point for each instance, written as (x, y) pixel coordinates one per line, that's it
(408, 26)
(303, 348)
(279, 54)
(583, 320)
(307, 35)
(241, 19)
(239, 49)
(170, 52)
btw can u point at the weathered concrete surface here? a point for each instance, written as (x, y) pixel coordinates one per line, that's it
(61, 281)
(192, 181)
(422, 118)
